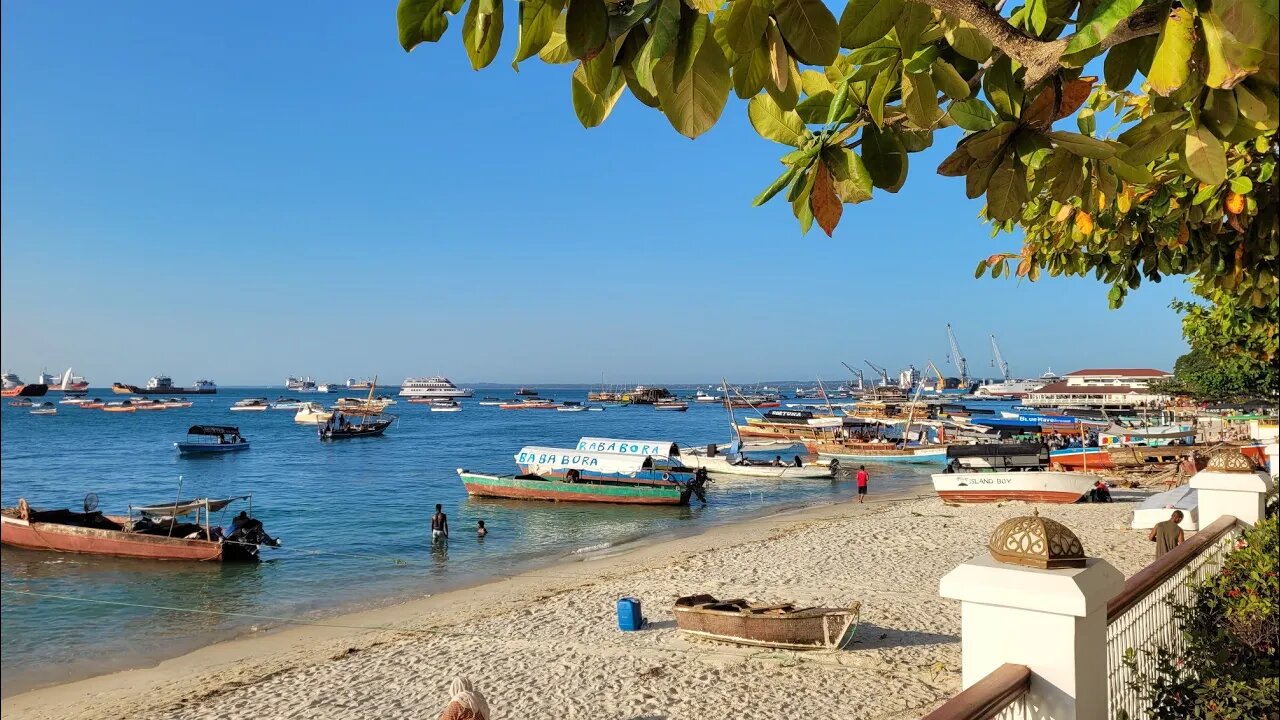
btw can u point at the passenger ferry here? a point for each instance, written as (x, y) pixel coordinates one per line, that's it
(432, 387)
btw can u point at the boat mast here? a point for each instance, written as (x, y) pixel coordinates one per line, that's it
(728, 408)
(826, 397)
(906, 433)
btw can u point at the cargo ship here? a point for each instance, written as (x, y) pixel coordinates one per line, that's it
(66, 383)
(163, 385)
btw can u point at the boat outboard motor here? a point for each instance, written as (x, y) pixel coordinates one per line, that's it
(698, 484)
(250, 532)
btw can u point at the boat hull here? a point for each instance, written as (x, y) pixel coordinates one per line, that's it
(895, 455)
(805, 629)
(28, 390)
(65, 538)
(721, 466)
(1081, 458)
(536, 488)
(188, 448)
(1031, 486)
(122, 389)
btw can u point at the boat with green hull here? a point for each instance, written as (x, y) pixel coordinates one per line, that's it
(583, 476)
(536, 487)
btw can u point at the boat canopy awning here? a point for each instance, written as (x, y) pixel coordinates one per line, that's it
(658, 448)
(185, 507)
(537, 459)
(213, 430)
(1157, 433)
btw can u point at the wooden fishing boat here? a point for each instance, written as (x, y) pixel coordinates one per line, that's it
(1078, 458)
(157, 534)
(672, 405)
(581, 476)
(1137, 456)
(373, 422)
(123, 406)
(779, 626)
(94, 404)
(225, 439)
(530, 404)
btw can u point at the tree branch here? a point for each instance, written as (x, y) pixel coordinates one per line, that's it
(1042, 58)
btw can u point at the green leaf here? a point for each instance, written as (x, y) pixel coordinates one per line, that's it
(705, 6)
(1205, 156)
(852, 181)
(1246, 21)
(751, 72)
(776, 187)
(693, 31)
(1007, 191)
(978, 178)
(1082, 145)
(1171, 64)
(1151, 138)
(1106, 16)
(966, 39)
(776, 124)
(1135, 174)
(884, 157)
(420, 21)
(632, 47)
(1230, 61)
(884, 82)
(910, 23)
(922, 60)
(746, 25)
(972, 115)
(982, 269)
(866, 21)
(592, 108)
(957, 163)
(1002, 89)
(988, 145)
(1242, 185)
(665, 28)
(694, 104)
(949, 80)
(1121, 64)
(598, 72)
(810, 29)
(586, 27)
(537, 21)
(482, 34)
(1038, 15)
(920, 100)
(1220, 112)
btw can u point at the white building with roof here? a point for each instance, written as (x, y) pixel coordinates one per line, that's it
(1102, 389)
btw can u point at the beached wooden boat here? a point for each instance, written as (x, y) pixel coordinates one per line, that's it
(536, 487)
(1078, 458)
(648, 478)
(724, 465)
(779, 626)
(155, 535)
(1161, 457)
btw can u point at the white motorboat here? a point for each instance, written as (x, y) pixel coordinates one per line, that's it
(433, 387)
(287, 404)
(251, 405)
(739, 465)
(312, 413)
(326, 388)
(996, 472)
(73, 400)
(44, 408)
(672, 405)
(445, 406)
(491, 402)
(703, 396)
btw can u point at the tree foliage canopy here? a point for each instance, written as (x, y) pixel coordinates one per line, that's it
(1182, 184)
(1211, 377)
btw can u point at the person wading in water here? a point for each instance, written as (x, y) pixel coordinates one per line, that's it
(439, 524)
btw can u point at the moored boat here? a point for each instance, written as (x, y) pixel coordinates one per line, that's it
(672, 405)
(177, 403)
(94, 404)
(1080, 458)
(580, 476)
(490, 402)
(526, 392)
(225, 438)
(373, 422)
(530, 404)
(433, 387)
(21, 402)
(26, 390)
(163, 385)
(284, 403)
(44, 408)
(445, 406)
(157, 534)
(121, 406)
(718, 464)
(312, 414)
(73, 400)
(780, 626)
(251, 405)
(849, 452)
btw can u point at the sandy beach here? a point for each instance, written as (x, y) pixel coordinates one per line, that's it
(545, 644)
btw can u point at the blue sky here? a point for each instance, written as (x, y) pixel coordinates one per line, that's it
(244, 190)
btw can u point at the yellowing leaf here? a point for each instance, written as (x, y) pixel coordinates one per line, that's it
(776, 124)
(1171, 64)
(1205, 156)
(694, 104)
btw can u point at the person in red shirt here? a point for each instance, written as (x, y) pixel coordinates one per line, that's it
(862, 483)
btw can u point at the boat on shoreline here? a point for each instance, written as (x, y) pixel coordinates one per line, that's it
(163, 385)
(850, 452)
(579, 476)
(779, 626)
(156, 535)
(996, 472)
(712, 461)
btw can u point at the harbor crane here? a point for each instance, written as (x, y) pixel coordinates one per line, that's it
(857, 374)
(999, 360)
(957, 357)
(884, 374)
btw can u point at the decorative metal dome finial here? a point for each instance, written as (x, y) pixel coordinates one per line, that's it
(1231, 460)
(1036, 542)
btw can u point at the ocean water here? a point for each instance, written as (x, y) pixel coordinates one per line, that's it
(353, 515)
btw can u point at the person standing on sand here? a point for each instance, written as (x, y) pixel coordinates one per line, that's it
(439, 524)
(1167, 535)
(862, 483)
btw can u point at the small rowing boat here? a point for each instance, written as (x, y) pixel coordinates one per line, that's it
(779, 626)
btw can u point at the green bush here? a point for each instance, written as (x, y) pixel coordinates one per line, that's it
(1228, 667)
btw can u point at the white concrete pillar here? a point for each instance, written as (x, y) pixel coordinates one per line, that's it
(1052, 621)
(1231, 484)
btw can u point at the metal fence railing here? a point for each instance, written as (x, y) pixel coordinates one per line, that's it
(1141, 617)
